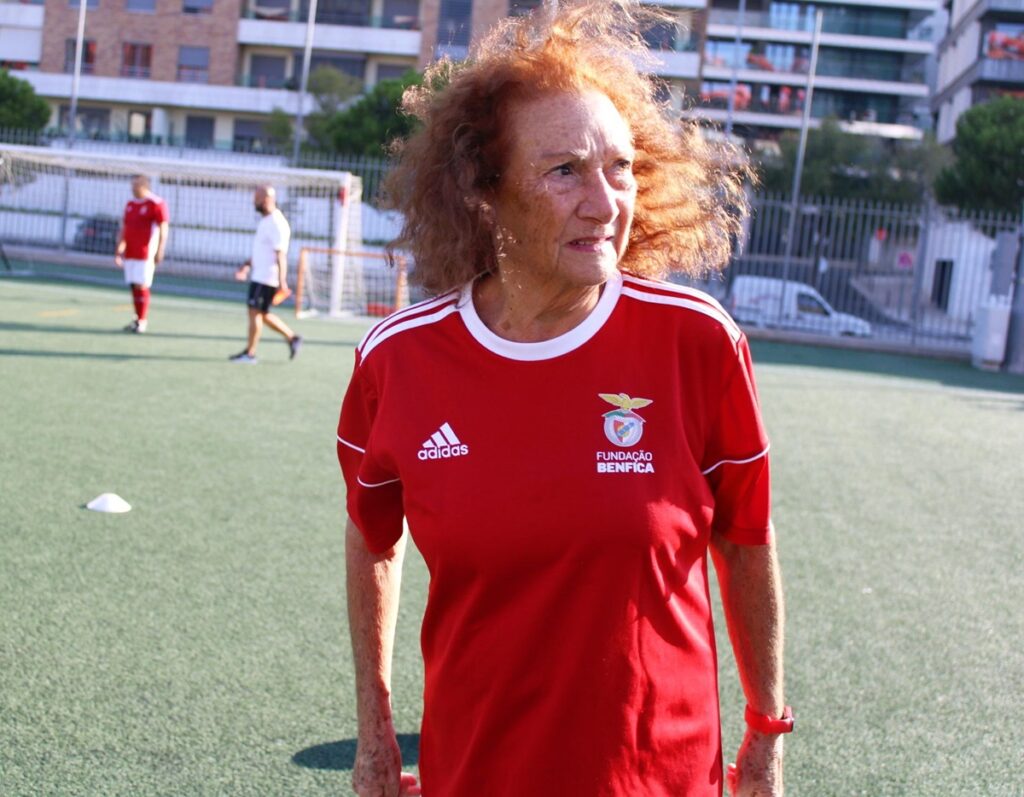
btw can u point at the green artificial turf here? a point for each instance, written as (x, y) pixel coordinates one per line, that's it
(198, 644)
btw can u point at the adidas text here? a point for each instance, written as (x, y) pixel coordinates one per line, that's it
(443, 452)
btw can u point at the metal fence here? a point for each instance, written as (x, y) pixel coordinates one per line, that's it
(910, 274)
(914, 275)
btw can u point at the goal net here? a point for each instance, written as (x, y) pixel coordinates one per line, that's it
(342, 282)
(60, 214)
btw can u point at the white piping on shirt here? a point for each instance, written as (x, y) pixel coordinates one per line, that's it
(378, 484)
(678, 301)
(351, 445)
(736, 461)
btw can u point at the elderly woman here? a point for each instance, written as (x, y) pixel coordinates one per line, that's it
(566, 437)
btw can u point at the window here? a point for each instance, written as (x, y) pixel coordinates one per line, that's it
(805, 303)
(520, 8)
(139, 125)
(90, 4)
(270, 9)
(197, 6)
(392, 71)
(353, 65)
(88, 56)
(136, 59)
(199, 131)
(1005, 43)
(454, 23)
(267, 71)
(91, 122)
(401, 14)
(340, 12)
(140, 5)
(249, 136)
(193, 64)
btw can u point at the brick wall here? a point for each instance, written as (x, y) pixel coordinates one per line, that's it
(165, 29)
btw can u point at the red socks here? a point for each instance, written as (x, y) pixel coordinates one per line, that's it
(140, 298)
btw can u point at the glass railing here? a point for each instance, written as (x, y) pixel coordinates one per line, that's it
(26, 2)
(1002, 69)
(326, 17)
(851, 27)
(193, 74)
(266, 82)
(135, 71)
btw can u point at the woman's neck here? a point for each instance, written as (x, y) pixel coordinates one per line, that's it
(528, 312)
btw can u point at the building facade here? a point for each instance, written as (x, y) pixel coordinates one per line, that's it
(980, 58)
(209, 72)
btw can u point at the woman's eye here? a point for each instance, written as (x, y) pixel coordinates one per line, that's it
(623, 165)
(562, 170)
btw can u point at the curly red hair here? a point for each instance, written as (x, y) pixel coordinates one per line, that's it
(690, 199)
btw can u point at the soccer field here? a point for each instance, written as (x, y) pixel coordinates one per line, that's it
(198, 645)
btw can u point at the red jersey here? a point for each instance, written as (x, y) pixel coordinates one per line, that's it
(563, 494)
(142, 220)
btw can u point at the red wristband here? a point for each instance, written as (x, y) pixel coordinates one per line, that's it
(764, 723)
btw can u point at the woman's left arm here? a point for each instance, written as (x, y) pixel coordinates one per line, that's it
(751, 586)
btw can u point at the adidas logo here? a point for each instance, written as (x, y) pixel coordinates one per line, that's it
(442, 444)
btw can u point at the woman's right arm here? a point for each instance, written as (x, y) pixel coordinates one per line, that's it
(373, 582)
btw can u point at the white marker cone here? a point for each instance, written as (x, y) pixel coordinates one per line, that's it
(109, 502)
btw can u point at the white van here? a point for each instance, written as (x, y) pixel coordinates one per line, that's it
(767, 301)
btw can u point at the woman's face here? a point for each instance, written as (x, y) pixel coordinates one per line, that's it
(564, 204)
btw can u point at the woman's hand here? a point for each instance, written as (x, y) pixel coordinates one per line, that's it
(378, 767)
(758, 768)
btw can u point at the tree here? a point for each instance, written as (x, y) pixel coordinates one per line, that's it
(279, 129)
(853, 166)
(331, 87)
(20, 107)
(988, 173)
(367, 126)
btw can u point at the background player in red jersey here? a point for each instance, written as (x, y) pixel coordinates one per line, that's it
(141, 246)
(567, 438)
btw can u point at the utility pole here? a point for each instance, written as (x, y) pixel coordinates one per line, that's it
(308, 52)
(798, 171)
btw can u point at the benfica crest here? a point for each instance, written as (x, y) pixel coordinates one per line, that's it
(622, 426)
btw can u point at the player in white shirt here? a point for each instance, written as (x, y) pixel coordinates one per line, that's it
(267, 270)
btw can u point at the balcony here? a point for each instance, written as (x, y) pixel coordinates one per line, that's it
(353, 38)
(1001, 70)
(193, 74)
(152, 93)
(266, 82)
(331, 17)
(130, 70)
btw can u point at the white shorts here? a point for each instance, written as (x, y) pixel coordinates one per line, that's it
(139, 272)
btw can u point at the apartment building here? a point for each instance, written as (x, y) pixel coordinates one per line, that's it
(872, 71)
(210, 71)
(980, 58)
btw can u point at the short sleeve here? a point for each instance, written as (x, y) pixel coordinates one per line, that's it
(279, 235)
(735, 459)
(374, 492)
(162, 214)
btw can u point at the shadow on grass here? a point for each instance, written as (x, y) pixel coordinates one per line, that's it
(342, 754)
(15, 326)
(947, 372)
(90, 355)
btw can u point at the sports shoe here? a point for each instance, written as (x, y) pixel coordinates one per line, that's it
(243, 358)
(293, 347)
(140, 326)
(133, 326)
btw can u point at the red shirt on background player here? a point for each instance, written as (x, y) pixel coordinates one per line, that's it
(566, 439)
(140, 248)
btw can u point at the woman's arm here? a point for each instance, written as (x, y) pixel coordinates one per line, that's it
(751, 586)
(373, 582)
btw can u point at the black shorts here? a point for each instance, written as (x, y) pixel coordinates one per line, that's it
(260, 296)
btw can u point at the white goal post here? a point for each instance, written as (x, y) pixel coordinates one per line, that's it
(64, 206)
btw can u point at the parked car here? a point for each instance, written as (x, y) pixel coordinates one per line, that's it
(97, 233)
(767, 301)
